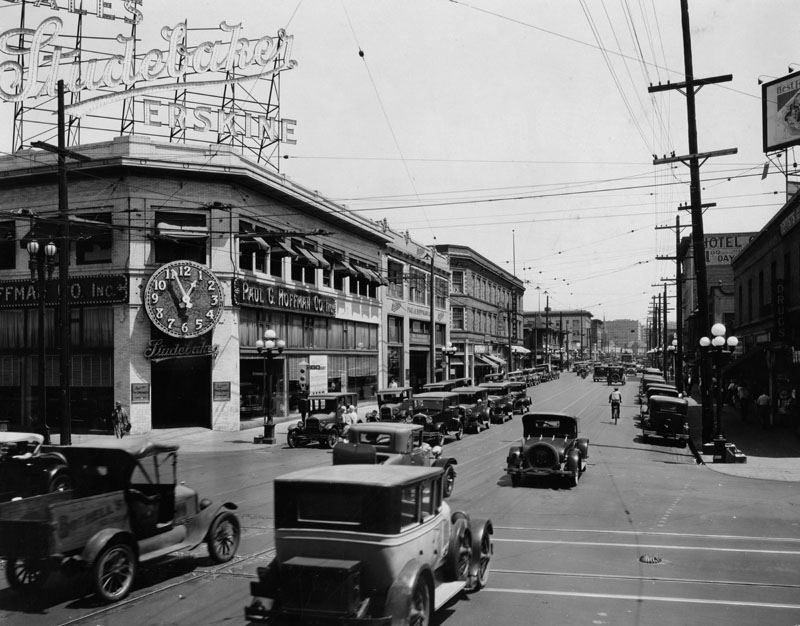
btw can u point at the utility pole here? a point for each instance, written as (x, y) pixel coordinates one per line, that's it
(65, 377)
(547, 330)
(689, 87)
(432, 363)
(678, 302)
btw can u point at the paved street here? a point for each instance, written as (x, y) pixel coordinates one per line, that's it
(647, 537)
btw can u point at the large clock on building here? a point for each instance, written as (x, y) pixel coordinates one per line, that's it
(183, 299)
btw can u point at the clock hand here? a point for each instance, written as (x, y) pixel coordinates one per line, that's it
(186, 301)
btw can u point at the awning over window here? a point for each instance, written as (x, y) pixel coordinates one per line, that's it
(485, 359)
(496, 359)
(456, 362)
(364, 273)
(282, 247)
(323, 262)
(307, 257)
(342, 266)
(180, 232)
(79, 228)
(261, 243)
(520, 350)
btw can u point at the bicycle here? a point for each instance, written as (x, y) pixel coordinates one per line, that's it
(615, 412)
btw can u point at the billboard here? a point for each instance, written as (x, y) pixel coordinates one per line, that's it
(780, 112)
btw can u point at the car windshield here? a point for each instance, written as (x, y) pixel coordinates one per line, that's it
(469, 398)
(431, 403)
(375, 439)
(391, 397)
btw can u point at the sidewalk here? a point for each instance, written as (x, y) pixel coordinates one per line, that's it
(197, 439)
(772, 454)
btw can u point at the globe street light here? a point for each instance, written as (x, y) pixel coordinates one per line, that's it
(267, 348)
(448, 351)
(720, 347)
(41, 263)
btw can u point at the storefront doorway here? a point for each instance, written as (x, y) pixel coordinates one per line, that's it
(182, 392)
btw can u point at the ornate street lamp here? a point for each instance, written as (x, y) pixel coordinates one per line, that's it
(447, 352)
(267, 348)
(672, 349)
(719, 347)
(41, 263)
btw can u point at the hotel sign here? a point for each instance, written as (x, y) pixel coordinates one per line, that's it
(260, 296)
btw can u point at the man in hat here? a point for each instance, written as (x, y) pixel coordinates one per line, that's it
(120, 421)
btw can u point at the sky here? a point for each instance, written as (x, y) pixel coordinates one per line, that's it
(522, 129)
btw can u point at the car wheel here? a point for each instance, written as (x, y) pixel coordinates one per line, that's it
(331, 439)
(419, 610)
(113, 572)
(291, 439)
(482, 576)
(459, 551)
(223, 538)
(449, 480)
(60, 482)
(24, 573)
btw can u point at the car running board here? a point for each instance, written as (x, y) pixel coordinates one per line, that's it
(447, 591)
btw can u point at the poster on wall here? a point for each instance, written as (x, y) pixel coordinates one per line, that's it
(317, 373)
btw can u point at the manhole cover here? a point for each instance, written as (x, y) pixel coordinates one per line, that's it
(650, 559)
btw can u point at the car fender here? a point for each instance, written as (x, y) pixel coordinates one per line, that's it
(399, 595)
(514, 455)
(478, 529)
(583, 445)
(102, 538)
(573, 460)
(197, 527)
(444, 462)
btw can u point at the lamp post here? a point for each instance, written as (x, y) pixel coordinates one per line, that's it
(447, 352)
(41, 264)
(267, 348)
(719, 346)
(671, 349)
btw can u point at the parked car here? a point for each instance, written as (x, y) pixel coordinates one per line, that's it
(394, 404)
(550, 447)
(666, 418)
(447, 385)
(377, 547)
(502, 400)
(126, 507)
(393, 444)
(28, 470)
(320, 425)
(519, 394)
(476, 407)
(494, 378)
(657, 390)
(439, 414)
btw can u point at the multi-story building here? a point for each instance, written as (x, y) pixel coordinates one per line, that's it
(485, 315)
(180, 259)
(621, 337)
(560, 337)
(412, 308)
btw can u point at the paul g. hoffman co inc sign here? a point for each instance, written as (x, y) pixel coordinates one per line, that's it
(34, 68)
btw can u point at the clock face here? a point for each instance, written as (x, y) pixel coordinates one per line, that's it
(183, 299)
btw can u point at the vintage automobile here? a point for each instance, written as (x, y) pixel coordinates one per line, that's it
(394, 404)
(657, 390)
(476, 407)
(28, 470)
(666, 418)
(616, 375)
(494, 378)
(393, 444)
(320, 425)
(446, 385)
(126, 508)
(649, 381)
(519, 393)
(550, 447)
(377, 547)
(502, 400)
(600, 372)
(439, 414)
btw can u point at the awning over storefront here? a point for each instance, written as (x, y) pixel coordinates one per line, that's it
(493, 357)
(754, 360)
(487, 361)
(342, 266)
(307, 257)
(520, 350)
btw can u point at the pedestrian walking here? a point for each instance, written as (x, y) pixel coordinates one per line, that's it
(744, 401)
(120, 421)
(731, 393)
(763, 404)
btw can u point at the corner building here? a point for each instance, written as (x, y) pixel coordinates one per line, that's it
(285, 259)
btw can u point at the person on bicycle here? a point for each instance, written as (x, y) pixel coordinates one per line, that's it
(615, 398)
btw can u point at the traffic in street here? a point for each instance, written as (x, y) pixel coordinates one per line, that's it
(647, 536)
